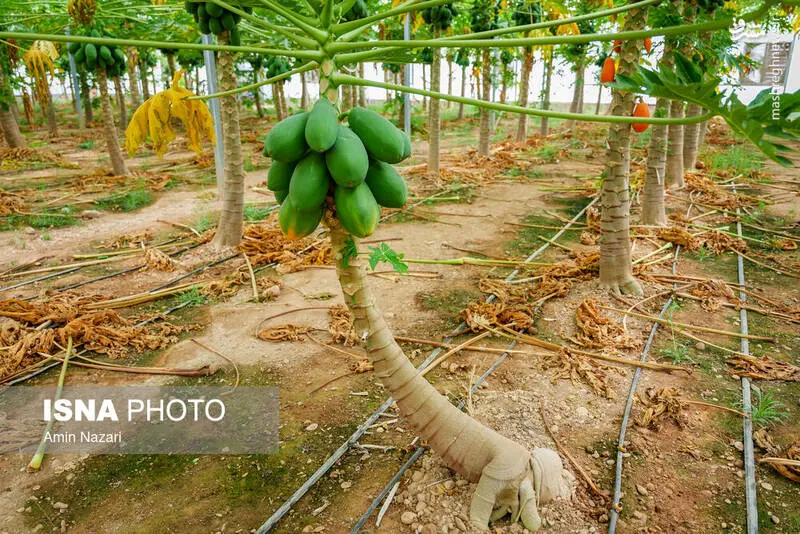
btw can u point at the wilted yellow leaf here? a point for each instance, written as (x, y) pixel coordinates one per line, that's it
(153, 119)
(568, 29)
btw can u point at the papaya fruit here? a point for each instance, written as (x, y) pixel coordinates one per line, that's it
(236, 37)
(237, 18)
(105, 53)
(310, 182)
(609, 72)
(214, 10)
(279, 175)
(356, 209)
(322, 127)
(119, 55)
(386, 184)
(80, 56)
(641, 110)
(215, 26)
(74, 47)
(296, 223)
(281, 195)
(286, 141)
(202, 14)
(347, 160)
(406, 146)
(381, 138)
(91, 53)
(204, 27)
(227, 21)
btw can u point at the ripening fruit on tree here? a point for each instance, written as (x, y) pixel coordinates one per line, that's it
(648, 44)
(609, 72)
(617, 46)
(641, 110)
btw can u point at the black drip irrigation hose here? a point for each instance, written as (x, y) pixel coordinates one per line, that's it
(41, 278)
(273, 520)
(195, 271)
(615, 506)
(750, 497)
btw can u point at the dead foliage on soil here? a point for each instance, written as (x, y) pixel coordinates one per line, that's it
(579, 368)
(598, 331)
(706, 191)
(264, 244)
(340, 326)
(13, 158)
(764, 441)
(156, 260)
(764, 368)
(10, 203)
(283, 332)
(132, 240)
(660, 406)
(65, 316)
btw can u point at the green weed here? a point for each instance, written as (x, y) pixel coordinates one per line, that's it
(192, 297)
(257, 212)
(767, 411)
(87, 145)
(741, 160)
(130, 201)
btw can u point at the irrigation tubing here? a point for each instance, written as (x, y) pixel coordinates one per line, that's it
(615, 506)
(751, 506)
(195, 271)
(273, 520)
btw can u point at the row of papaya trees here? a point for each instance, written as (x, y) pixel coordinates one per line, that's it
(333, 164)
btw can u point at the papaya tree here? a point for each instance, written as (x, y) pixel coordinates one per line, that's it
(525, 13)
(324, 171)
(484, 18)
(8, 121)
(462, 60)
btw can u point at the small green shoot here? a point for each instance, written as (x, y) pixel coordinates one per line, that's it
(348, 251)
(767, 411)
(87, 145)
(192, 297)
(256, 212)
(385, 253)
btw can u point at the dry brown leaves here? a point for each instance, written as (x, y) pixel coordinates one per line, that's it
(764, 368)
(679, 236)
(470, 168)
(577, 368)
(264, 243)
(132, 240)
(10, 203)
(340, 325)
(589, 238)
(479, 314)
(156, 260)
(283, 332)
(225, 287)
(15, 157)
(59, 308)
(593, 219)
(785, 244)
(717, 242)
(764, 441)
(711, 293)
(598, 331)
(706, 191)
(659, 406)
(204, 160)
(581, 265)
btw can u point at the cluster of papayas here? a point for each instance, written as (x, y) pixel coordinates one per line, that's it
(213, 18)
(93, 56)
(709, 6)
(357, 11)
(314, 156)
(440, 16)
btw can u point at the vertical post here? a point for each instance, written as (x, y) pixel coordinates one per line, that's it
(76, 86)
(407, 67)
(213, 104)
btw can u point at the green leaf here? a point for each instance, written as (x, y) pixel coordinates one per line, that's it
(385, 253)
(348, 251)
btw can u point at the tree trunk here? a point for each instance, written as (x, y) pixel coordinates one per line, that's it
(691, 137)
(616, 270)
(11, 132)
(143, 78)
(402, 74)
(463, 90)
(576, 106)
(123, 112)
(653, 193)
(502, 467)
(109, 129)
(86, 98)
(171, 62)
(524, 89)
(485, 124)
(424, 86)
(47, 102)
(276, 97)
(304, 91)
(545, 126)
(434, 119)
(257, 95)
(675, 147)
(231, 219)
(701, 135)
(133, 78)
(449, 79)
(599, 98)
(362, 91)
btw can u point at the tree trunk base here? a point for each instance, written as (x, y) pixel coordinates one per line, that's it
(628, 285)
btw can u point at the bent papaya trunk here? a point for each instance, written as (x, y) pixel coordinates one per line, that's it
(109, 129)
(510, 478)
(524, 89)
(653, 193)
(485, 124)
(434, 119)
(616, 270)
(231, 219)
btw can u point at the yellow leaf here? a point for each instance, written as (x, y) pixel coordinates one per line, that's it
(154, 118)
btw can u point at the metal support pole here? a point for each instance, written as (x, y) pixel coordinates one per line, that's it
(407, 67)
(213, 104)
(76, 87)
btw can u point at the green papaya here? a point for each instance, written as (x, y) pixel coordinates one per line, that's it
(347, 160)
(386, 184)
(296, 223)
(74, 47)
(91, 53)
(236, 37)
(214, 10)
(80, 56)
(357, 210)
(204, 27)
(380, 137)
(119, 55)
(101, 62)
(279, 175)
(227, 21)
(215, 26)
(310, 182)
(105, 53)
(237, 18)
(286, 141)
(202, 14)
(322, 126)
(281, 194)
(406, 146)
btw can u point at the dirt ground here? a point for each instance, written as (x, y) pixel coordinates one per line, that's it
(680, 475)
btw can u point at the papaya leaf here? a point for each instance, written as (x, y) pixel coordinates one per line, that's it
(385, 253)
(769, 117)
(348, 251)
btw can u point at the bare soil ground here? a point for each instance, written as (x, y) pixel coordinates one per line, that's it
(676, 478)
